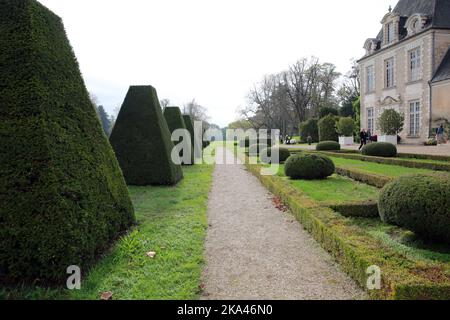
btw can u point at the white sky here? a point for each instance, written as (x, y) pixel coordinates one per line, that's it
(211, 50)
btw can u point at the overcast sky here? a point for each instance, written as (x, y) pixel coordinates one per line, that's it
(210, 50)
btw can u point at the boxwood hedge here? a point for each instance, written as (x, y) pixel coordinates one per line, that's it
(63, 197)
(420, 203)
(328, 146)
(309, 166)
(380, 149)
(283, 153)
(141, 140)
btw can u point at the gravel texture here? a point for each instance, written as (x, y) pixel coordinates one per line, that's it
(255, 251)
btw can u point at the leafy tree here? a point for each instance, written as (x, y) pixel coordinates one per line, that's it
(357, 109)
(391, 122)
(345, 127)
(327, 128)
(323, 112)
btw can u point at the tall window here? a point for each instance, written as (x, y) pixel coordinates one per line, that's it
(414, 64)
(390, 79)
(414, 118)
(370, 72)
(390, 32)
(370, 120)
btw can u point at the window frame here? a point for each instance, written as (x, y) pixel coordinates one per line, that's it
(415, 110)
(415, 64)
(390, 32)
(389, 73)
(371, 120)
(370, 79)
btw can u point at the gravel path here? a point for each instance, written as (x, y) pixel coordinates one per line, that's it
(255, 251)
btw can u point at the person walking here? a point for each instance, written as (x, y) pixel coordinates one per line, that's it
(363, 136)
(440, 135)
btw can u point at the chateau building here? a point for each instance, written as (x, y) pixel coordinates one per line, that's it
(407, 68)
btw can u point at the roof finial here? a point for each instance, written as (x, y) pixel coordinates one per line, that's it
(390, 8)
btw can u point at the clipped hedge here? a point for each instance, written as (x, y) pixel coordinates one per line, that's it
(380, 149)
(404, 162)
(190, 127)
(175, 121)
(368, 209)
(283, 153)
(328, 146)
(419, 203)
(256, 149)
(371, 179)
(309, 167)
(327, 128)
(62, 194)
(142, 141)
(309, 128)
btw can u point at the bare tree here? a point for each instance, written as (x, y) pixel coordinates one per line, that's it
(196, 111)
(310, 86)
(281, 101)
(165, 103)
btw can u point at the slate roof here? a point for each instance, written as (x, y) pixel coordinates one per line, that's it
(443, 72)
(437, 10)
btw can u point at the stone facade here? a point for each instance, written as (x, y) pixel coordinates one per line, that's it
(396, 73)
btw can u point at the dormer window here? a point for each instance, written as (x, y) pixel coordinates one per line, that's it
(390, 32)
(416, 23)
(390, 24)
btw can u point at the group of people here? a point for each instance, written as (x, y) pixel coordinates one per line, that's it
(365, 136)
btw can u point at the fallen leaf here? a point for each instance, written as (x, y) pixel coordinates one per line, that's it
(278, 203)
(151, 254)
(106, 295)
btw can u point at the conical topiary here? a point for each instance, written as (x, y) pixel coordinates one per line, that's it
(62, 194)
(175, 121)
(190, 127)
(141, 140)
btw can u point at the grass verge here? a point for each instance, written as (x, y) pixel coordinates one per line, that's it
(171, 222)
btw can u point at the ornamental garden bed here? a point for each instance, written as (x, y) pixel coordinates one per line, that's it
(410, 268)
(434, 165)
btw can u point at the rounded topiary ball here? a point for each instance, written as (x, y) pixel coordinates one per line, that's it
(420, 203)
(284, 154)
(309, 167)
(328, 146)
(380, 149)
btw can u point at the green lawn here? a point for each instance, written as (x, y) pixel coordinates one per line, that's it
(171, 222)
(377, 168)
(336, 189)
(405, 242)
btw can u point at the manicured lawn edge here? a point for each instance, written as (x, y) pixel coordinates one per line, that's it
(368, 209)
(424, 156)
(400, 155)
(375, 180)
(391, 161)
(355, 250)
